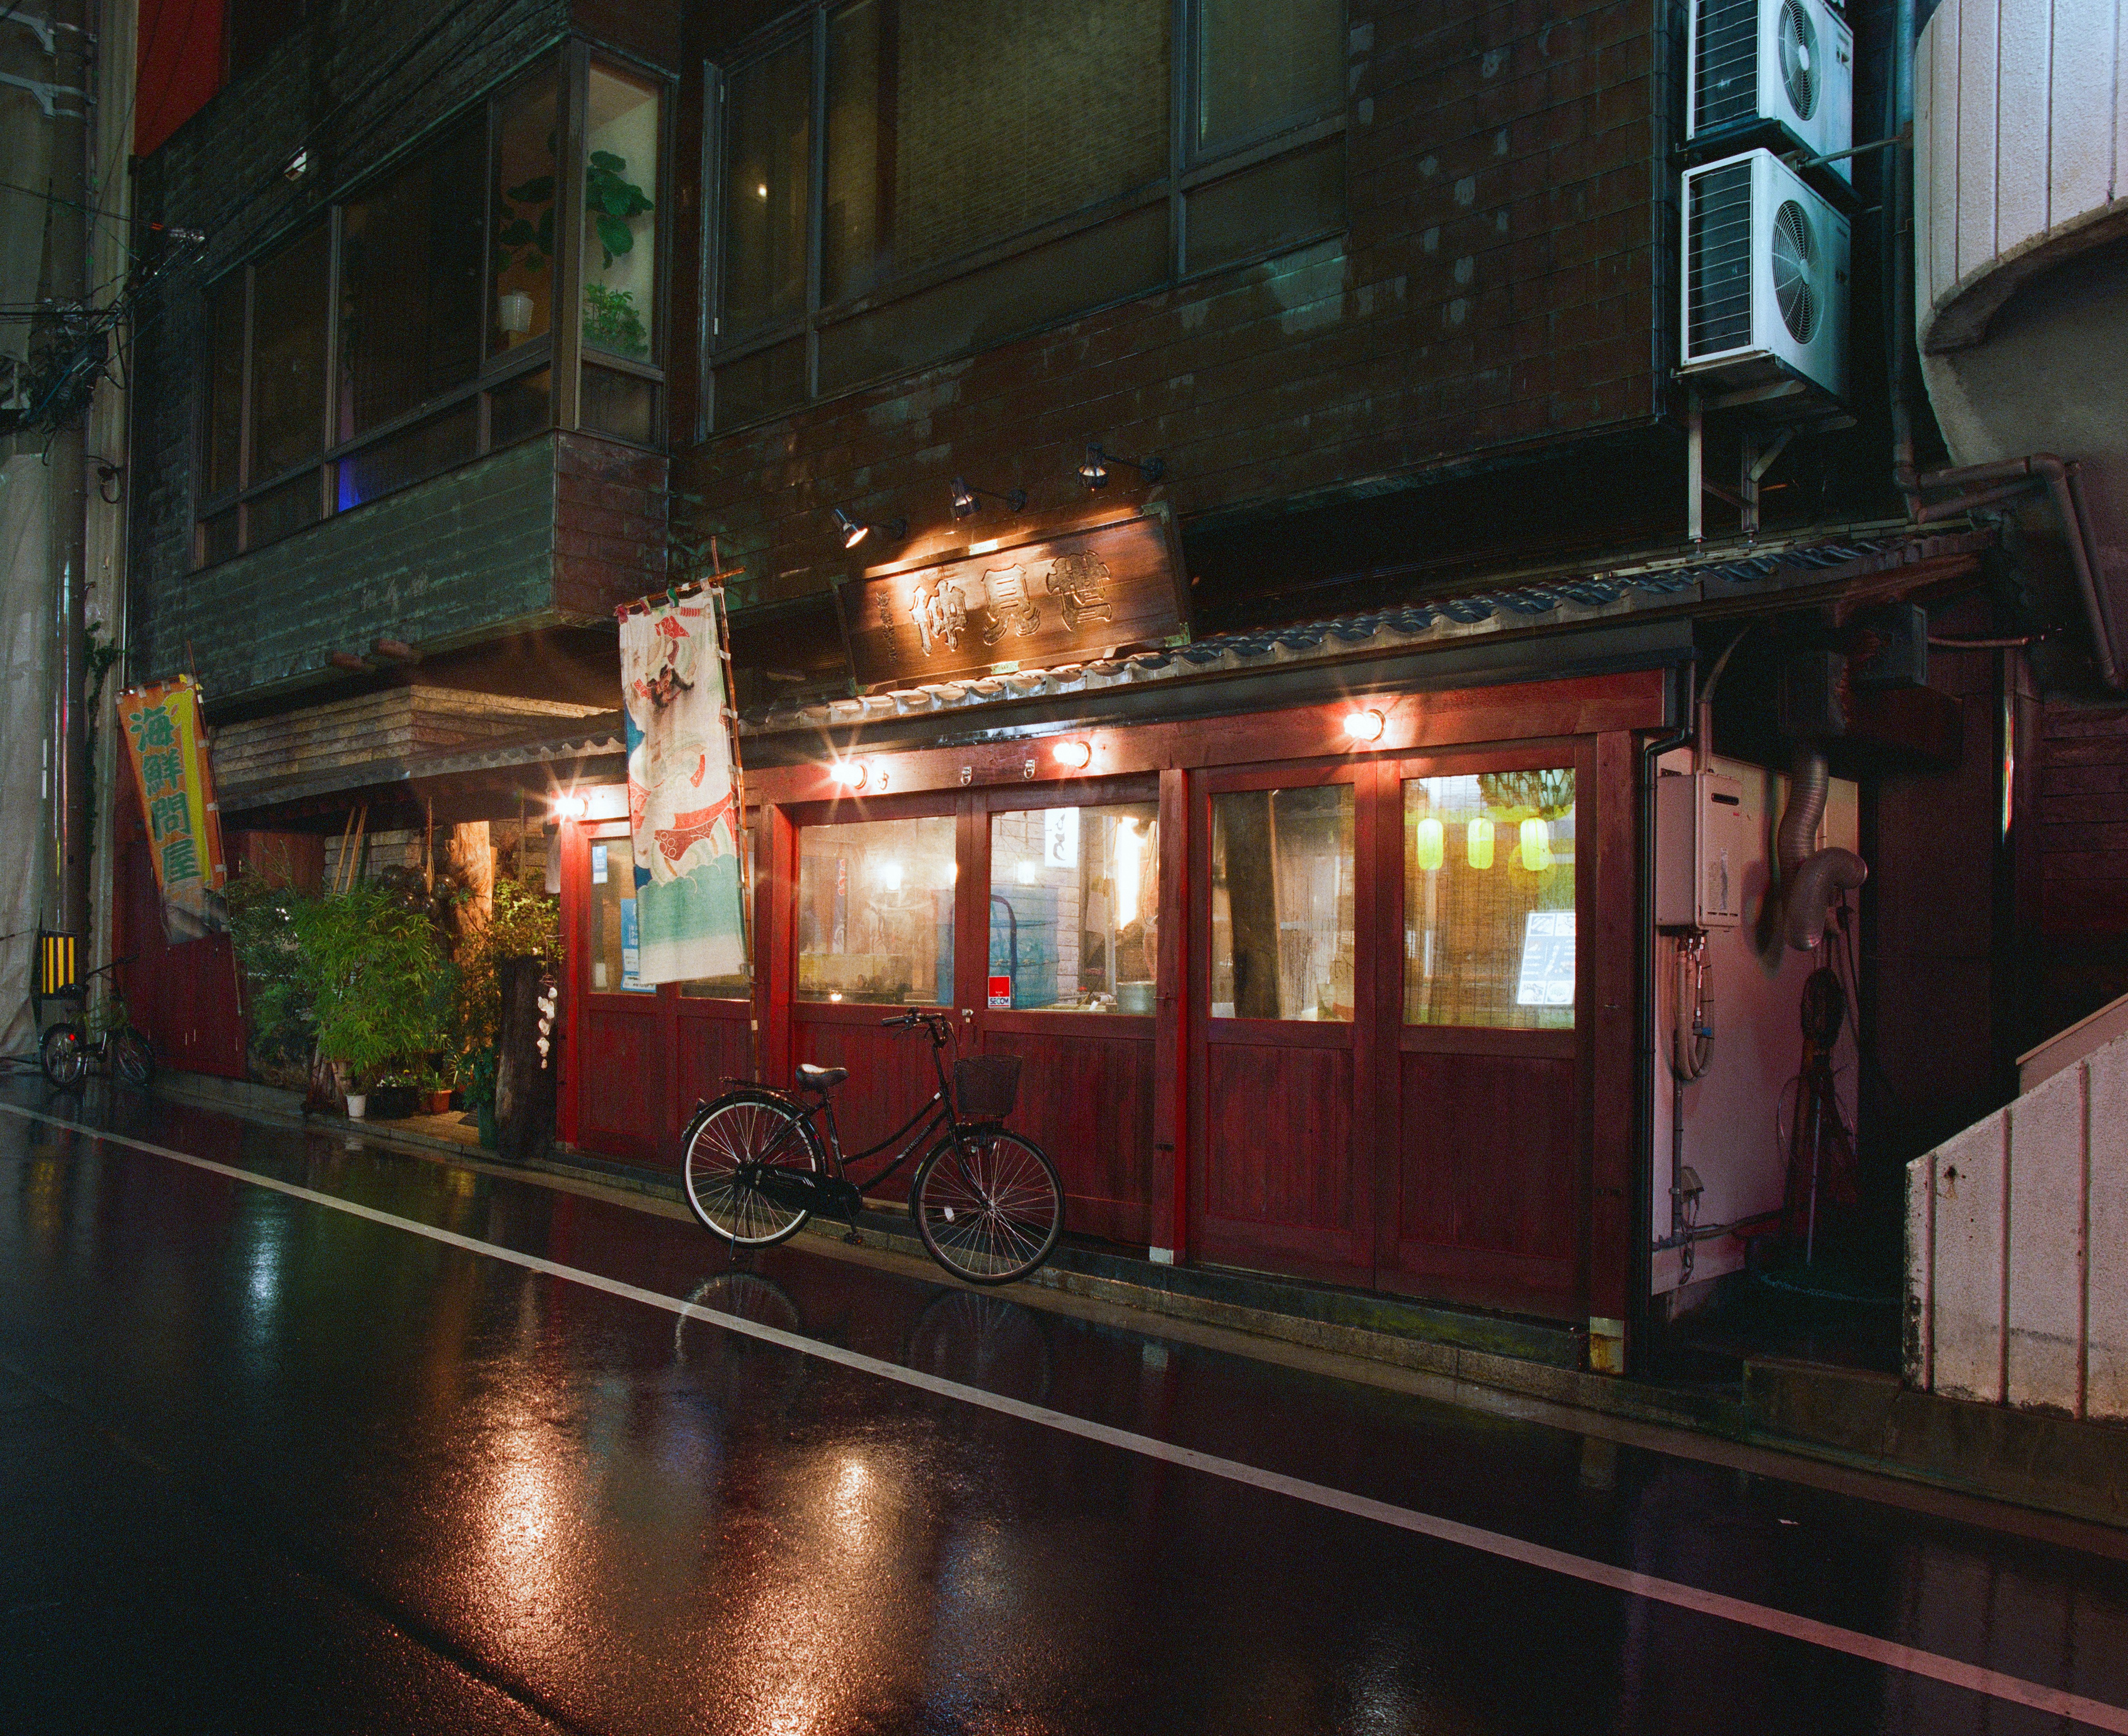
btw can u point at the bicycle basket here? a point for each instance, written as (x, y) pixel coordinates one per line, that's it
(986, 1086)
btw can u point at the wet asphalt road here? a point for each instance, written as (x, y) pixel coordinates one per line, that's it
(268, 1466)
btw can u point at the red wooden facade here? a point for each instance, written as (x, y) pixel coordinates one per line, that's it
(1487, 1167)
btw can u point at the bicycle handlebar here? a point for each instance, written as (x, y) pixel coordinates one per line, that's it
(939, 1024)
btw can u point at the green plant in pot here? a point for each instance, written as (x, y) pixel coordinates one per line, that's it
(377, 978)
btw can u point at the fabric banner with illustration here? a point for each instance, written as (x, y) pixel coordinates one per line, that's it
(166, 741)
(690, 922)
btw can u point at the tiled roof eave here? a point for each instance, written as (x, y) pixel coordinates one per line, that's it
(1735, 580)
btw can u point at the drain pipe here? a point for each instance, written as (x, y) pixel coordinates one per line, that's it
(1644, 1010)
(2007, 479)
(1899, 209)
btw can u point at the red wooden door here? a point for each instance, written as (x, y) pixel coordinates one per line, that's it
(1067, 875)
(1282, 934)
(1483, 1184)
(874, 925)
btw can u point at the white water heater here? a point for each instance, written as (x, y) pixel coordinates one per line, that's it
(1703, 845)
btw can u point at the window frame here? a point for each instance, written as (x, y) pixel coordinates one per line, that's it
(1187, 172)
(558, 350)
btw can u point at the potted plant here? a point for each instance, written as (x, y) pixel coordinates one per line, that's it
(377, 982)
(435, 1091)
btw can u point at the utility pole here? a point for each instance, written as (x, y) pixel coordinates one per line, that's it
(65, 292)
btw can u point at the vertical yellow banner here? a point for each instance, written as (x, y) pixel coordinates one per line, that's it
(166, 741)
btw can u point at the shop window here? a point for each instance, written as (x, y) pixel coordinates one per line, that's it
(1282, 911)
(1075, 903)
(614, 942)
(442, 311)
(1489, 899)
(961, 154)
(875, 912)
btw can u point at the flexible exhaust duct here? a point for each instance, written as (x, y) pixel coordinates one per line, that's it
(1811, 882)
(1808, 783)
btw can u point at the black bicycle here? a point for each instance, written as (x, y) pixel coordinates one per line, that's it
(103, 1036)
(986, 1201)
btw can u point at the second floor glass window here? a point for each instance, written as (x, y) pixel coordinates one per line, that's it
(959, 174)
(414, 327)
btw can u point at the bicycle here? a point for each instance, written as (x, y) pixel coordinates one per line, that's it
(986, 1202)
(106, 1038)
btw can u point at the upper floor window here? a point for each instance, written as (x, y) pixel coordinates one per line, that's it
(418, 325)
(946, 183)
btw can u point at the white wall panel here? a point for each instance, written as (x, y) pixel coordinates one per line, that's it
(1978, 22)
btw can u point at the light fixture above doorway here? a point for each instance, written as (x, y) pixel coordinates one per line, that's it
(1094, 467)
(853, 530)
(965, 497)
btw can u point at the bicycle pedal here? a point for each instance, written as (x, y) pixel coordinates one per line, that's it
(853, 1240)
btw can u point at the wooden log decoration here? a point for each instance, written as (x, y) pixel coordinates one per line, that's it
(1251, 841)
(525, 1073)
(469, 866)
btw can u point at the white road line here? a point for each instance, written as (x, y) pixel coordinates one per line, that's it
(2056, 1701)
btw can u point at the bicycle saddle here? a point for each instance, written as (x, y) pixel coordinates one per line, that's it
(820, 1079)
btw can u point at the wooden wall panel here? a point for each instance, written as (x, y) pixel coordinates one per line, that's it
(890, 1075)
(1490, 1208)
(621, 1108)
(1088, 1102)
(710, 1053)
(1278, 1137)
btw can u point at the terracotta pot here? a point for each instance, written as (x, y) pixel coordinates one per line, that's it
(439, 1103)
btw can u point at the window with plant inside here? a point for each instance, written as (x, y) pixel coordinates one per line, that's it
(419, 323)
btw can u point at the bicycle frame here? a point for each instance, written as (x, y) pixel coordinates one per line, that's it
(934, 1115)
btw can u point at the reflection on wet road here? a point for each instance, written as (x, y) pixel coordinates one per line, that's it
(493, 1456)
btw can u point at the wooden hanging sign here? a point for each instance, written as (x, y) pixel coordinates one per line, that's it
(1067, 598)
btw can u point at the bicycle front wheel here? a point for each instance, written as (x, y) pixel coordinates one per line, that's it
(135, 1061)
(728, 1171)
(989, 1207)
(64, 1055)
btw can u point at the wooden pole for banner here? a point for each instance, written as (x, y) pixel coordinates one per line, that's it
(742, 833)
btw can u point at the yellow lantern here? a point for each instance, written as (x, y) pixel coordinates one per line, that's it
(1478, 843)
(1430, 844)
(1537, 846)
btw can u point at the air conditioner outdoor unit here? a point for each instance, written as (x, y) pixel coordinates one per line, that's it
(1791, 62)
(1766, 276)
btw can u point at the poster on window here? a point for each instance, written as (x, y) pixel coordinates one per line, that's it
(167, 744)
(688, 917)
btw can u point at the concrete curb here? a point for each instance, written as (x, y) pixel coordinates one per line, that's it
(1856, 1419)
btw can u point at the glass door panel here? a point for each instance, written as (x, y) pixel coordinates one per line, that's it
(1282, 903)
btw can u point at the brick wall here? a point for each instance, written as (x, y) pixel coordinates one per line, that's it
(2082, 814)
(445, 560)
(1497, 288)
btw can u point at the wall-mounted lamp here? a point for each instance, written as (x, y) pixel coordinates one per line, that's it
(854, 530)
(1365, 726)
(850, 774)
(1093, 469)
(1076, 754)
(965, 497)
(569, 808)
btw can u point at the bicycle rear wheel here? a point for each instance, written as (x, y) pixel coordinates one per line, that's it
(727, 1170)
(988, 1208)
(64, 1055)
(130, 1053)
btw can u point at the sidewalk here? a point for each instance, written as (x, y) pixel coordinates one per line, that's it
(1844, 1417)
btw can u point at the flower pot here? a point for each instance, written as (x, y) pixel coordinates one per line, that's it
(439, 1103)
(394, 1102)
(358, 1104)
